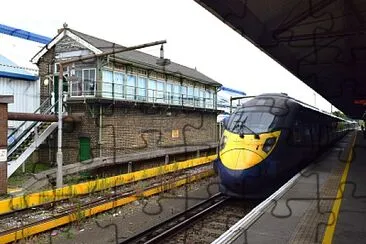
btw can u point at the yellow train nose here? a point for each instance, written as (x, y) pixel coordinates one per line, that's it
(238, 153)
(239, 158)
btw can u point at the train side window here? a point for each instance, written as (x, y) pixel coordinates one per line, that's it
(297, 133)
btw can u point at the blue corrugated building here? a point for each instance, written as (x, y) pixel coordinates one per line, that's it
(20, 83)
(9, 69)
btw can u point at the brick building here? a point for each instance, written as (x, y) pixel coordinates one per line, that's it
(128, 102)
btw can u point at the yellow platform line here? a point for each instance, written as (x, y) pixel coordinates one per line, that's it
(333, 217)
(59, 221)
(35, 199)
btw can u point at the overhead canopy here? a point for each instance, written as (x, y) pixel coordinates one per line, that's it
(322, 42)
(231, 90)
(11, 31)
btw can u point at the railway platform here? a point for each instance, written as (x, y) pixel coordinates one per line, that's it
(324, 203)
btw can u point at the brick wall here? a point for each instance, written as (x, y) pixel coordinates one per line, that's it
(125, 129)
(136, 130)
(43, 64)
(3, 145)
(130, 129)
(47, 59)
(72, 132)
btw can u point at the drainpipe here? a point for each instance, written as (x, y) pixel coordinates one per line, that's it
(100, 130)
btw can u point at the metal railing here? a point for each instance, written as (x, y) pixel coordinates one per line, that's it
(27, 130)
(24, 122)
(115, 91)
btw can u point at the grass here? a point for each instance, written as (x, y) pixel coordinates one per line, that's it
(78, 178)
(18, 178)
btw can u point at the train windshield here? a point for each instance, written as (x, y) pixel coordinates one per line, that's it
(250, 122)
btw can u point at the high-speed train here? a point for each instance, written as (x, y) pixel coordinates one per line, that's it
(270, 138)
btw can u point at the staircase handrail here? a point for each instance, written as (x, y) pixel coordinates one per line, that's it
(24, 122)
(28, 129)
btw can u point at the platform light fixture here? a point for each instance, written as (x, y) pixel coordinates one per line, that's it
(72, 71)
(46, 81)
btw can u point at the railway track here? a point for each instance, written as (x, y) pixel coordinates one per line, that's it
(36, 220)
(201, 223)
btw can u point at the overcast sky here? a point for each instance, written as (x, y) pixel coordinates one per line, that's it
(195, 38)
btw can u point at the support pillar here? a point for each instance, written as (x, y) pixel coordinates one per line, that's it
(4, 100)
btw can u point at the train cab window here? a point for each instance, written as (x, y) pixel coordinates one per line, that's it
(247, 122)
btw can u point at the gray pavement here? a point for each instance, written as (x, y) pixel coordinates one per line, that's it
(301, 215)
(351, 224)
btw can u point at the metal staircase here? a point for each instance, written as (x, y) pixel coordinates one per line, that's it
(28, 139)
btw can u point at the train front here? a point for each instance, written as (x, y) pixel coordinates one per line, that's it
(247, 162)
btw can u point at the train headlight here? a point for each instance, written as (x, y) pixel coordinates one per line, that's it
(223, 142)
(268, 144)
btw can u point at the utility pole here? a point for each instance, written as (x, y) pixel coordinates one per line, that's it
(59, 156)
(231, 104)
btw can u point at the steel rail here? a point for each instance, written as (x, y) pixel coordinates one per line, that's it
(37, 199)
(178, 222)
(95, 207)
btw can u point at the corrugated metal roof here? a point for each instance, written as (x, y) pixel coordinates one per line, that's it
(146, 59)
(10, 69)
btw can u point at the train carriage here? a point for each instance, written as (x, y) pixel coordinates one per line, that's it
(268, 139)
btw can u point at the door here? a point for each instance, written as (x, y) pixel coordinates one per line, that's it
(84, 149)
(55, 88)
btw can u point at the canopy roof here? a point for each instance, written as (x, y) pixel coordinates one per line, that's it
(322, 42)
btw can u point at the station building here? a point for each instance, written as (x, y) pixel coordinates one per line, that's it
(128, 102)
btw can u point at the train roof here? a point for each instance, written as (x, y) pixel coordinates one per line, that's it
(284, 97)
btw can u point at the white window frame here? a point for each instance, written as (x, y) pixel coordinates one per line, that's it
(106, 94)
(71, 91)
(160, 99)
(202, 97)
(126, 86)
(150, 90)
(176, 95)
(137, 88)
(190, 98)
(95, 81)
(169, 94)
(121, 92)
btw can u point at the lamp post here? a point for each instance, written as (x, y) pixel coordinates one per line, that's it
(59, 155)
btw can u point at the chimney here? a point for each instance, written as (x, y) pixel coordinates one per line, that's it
(65, 26)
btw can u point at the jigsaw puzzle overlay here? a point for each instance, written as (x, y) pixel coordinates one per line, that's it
(321, 200)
